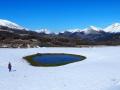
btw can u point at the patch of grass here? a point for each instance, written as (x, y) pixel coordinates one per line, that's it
(30, 60)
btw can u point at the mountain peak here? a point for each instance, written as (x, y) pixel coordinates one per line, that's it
(116, 24)
(43, 31)
(9, 24)
(93, 28)
(113, 28)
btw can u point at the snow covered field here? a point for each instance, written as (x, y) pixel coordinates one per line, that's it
(100, 71)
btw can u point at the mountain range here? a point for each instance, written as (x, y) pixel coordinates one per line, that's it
(114, 28)
(14, 35)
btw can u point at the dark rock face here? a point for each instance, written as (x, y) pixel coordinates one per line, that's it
(14, 38)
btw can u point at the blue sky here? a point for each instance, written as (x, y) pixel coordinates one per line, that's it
(58, 15)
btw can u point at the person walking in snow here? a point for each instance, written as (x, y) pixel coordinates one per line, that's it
(9, 67)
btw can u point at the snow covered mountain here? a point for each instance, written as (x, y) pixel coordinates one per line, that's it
(9, 24)
(114, 28)
(91, 30)
(43, 31)
(13, 35)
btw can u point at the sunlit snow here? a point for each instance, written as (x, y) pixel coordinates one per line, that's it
(100, 71)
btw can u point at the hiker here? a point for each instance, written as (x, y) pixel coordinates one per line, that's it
(9, 67)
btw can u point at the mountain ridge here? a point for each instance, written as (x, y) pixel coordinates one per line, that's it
(12, 36)
(113, 28)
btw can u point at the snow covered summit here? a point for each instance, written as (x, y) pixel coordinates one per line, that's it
(114, 28)
(9, 24)
(43, 31)
(91, 30)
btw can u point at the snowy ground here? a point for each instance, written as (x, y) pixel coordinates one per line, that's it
(100, 71)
